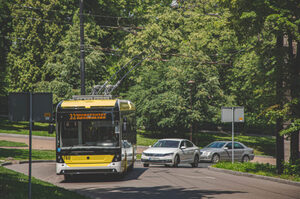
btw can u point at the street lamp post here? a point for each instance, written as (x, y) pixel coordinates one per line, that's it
(191, 83)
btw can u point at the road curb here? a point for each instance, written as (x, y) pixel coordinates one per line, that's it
(264, 156)
(255, 176)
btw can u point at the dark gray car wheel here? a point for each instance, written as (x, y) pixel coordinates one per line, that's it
(176, 161)
(196, 161)
(146, 165)
(245, 158)
(215, 158)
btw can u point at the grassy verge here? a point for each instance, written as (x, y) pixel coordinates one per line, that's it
(40, 129)
(256, 168)
(144, 141)
(4, 143)
(22, 154)
(15, 185)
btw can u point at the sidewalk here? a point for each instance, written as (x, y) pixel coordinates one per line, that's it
(38, 142)
(48, 143)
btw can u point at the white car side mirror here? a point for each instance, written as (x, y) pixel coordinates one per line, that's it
(226, 148)
(183, 147)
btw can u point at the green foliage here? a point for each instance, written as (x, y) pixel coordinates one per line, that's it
(294, 127)
(227, 47)
(34, 41)
(292, 169)
(183, 46)
(5, 25)
(14, 185)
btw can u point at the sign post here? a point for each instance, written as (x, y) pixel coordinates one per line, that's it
(32, 107)
(232, 114)
(30, 144)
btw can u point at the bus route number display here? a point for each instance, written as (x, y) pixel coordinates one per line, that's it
(87, 116)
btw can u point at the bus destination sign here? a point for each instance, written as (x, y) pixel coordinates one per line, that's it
(87, 116)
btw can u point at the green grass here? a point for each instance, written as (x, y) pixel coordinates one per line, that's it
(144, 141)
(22, 154)
(14, 185)
(4, 143)
(256, 168)
(40, 129)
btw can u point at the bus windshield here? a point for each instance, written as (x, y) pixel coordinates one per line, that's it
(100, 133)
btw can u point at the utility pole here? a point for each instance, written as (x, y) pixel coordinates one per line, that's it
(191, 83)
(82, 70)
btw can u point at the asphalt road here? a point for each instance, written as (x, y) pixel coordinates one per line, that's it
(162, 182)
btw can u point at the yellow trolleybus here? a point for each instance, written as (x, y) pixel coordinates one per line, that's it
(95, 134)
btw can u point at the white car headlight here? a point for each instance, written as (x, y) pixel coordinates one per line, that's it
(169, 154)
(144, 154)
(207, 153)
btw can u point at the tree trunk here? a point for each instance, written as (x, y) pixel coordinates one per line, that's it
(295, 95)
(279, 101)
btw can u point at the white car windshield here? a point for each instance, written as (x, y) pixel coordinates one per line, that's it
(167, 143)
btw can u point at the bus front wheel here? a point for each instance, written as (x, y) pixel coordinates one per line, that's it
(67, 177)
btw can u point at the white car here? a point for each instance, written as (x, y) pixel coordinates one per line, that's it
(171, 152)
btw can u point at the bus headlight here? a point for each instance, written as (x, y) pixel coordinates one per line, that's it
(59, 159)
(117, 158)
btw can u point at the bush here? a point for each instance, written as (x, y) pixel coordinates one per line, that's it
(292, 169)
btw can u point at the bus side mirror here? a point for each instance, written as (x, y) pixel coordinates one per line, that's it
(124, 126)
(51, 128)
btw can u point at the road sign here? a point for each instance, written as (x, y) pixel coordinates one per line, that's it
(18, 106)
(232, 114)
(238, 116)
(32, 107)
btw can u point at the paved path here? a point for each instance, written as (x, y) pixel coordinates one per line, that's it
(48, 143)
(158, 182)
(38, 142)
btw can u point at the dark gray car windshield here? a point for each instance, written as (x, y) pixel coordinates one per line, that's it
(167, 143)
(216, 145)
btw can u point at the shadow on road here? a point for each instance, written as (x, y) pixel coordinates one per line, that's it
(131, 175)
(188, 166)
(152, 193)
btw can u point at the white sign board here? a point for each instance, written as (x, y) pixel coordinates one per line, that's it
(238, 114)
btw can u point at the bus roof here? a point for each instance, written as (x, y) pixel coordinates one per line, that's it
(88, 103)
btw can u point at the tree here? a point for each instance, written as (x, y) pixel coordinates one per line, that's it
(64, 70)
(277, 18)
(184, 45)
(36, 30)
(5, 24)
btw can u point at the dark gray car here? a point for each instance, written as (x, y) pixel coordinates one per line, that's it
(222, 151)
